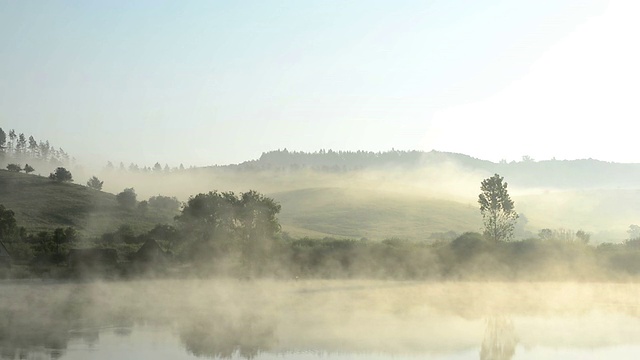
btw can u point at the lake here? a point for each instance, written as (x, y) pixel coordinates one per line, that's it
(318, 319)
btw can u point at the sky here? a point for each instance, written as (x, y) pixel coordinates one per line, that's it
(219, 82)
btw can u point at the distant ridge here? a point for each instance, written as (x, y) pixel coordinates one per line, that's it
(356, 160)
(580, 174)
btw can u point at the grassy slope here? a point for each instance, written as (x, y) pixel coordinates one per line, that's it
(42, 204)
(318, 205)
(372, 214)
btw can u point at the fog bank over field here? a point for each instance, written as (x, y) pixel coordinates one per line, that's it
(591, 195)
(403, 194)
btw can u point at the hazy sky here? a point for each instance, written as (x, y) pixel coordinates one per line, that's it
(213, 82)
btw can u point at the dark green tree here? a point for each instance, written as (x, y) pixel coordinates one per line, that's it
(28, 168)
(61, 175)
(127, 198)
(497, 209)
(95, 183)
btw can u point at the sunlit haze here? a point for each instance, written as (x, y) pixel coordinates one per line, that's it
(205, 83)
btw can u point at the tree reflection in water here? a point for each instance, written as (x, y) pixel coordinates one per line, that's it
(221, 337)
(500, 339)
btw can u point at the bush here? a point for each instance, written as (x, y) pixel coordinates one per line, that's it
(61, 175)
(164, 203)
(14, 167)
(95, 183)
(127, 198)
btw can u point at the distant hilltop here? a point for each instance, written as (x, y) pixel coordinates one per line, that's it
(330, 160)
(584, 173)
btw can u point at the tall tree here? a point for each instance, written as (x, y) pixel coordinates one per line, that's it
(33, 147)
(3, 141)
(497, 209)
(44, 149)
(21, 145)
(12, 138)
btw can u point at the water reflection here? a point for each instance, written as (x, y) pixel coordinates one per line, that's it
(218, 337)
(500, 339)
(264, 320)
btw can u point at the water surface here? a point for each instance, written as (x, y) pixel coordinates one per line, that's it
(356, 319)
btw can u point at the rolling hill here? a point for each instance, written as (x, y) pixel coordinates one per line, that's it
(40, 204)
(375, 215)
(355, 194)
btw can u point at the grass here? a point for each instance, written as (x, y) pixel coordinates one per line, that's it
(372, 214)
(40, 204)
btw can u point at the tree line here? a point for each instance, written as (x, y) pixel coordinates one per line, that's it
(17, 147)
(135, 168)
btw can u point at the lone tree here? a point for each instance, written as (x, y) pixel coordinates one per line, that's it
(28, 168)
(498, 214)
(61, 175)
(95, 183)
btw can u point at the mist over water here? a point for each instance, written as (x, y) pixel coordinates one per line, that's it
(344, 250)
(264, 319)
